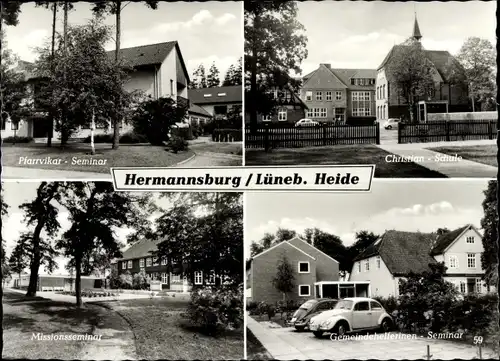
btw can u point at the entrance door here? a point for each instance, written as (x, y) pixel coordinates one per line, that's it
(41, 127)
(346, 291)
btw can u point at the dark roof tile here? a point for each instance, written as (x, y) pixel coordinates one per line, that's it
(446, 239)
(143, 248)
(232, 94)
(152, 54)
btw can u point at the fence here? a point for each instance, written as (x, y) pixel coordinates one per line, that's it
(266, 136)
(447, 131)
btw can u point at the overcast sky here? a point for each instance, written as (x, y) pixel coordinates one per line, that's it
(359, 34)
(206, 31)
(402, 205)
(17, 193)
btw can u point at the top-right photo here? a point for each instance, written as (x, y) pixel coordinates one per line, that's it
(407, 86)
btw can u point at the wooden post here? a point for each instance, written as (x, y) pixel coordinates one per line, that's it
(400, 129)
(324, 134)
(480, 345)
(447, 131)
(490, 130)
(266, 138)
(428, 356)
(377, 132)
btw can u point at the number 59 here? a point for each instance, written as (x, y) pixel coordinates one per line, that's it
(478, 340)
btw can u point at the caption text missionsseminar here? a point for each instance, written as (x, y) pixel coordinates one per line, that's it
(235, 181)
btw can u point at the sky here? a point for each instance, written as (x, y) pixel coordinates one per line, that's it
(405, 205)
(17, 193)
(207, 32)
(359, 34)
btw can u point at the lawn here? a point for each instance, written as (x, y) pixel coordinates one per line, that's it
(485, 154)
(234, 148)
(338, 155)
(68, 158)
(23, 317)
(162, 331)
(255, 350)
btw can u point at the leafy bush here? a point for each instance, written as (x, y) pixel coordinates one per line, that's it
(227, 135)
(133, 138)
(390, 303)
(17, 140)
(252, 305)
(473, 313)
(140, 281)
(216, 309)
(126, 280)
(197, 130)
(184, 133)
(155, 118)
(177, 144)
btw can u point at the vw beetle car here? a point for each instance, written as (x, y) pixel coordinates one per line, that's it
(351, 315)
(300, 319)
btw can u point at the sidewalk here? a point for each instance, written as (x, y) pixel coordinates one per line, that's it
(54, 296)
(419, 154)
(49, 174)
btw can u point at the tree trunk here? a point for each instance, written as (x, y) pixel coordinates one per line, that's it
(53, 45)
(35, 262)
(253, 81)
(78, 280)
(92, 129)
(64, 138)
(117, 119)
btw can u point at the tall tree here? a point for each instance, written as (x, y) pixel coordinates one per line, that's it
(3, 211)
(85, 84)
(489, 224)
(478, 58)
(199, 77)
(275, 45)
(331, 245)
(284, 281)
(204, 232)
(213, 79)
(363, 240)
(40, 214)
(234, 74)
(10, 11)
(409, 72)
(115, 8)
(96, 211)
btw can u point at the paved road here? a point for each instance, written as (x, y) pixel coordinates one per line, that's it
(211, 159)
(284, 343)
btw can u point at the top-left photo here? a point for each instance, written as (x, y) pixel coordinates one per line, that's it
(90, 86)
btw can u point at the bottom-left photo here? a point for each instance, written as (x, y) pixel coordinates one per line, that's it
(93, 274)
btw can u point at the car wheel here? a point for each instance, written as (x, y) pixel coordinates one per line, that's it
(340, 329)
(300, 328)
(318, 334)
(386, 325)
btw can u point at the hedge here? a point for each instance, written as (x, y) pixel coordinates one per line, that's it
(126, 138)
(17, 140)
(227, 135)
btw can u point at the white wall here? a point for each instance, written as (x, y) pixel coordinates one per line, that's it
(23, 131)
(460, 249)
(168, 73)
(382, 283)
(462, 116)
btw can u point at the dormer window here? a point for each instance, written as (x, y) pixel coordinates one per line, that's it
(353, 81)
(221, 94)
(207, 95)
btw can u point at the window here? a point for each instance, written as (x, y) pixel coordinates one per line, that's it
(198, 278)
(266, 118)
(375, 305)
(176, 278)
(353, 81)
(221, 94)
(309, 95)
(129, 264)
(141, 263)
(164, 277)
(453, 261)
(155, 261)
(378, 262)
(328, 96)
(383, 91)
(304, 290)
(338, 95)
(220, 109)
(211, 278)
(362, 306)
(163, 261)
(207, 95)
(361, 104)
(367, 265)
(322, 112)
(124, 265)
(171, 87)
(282, 115)
(471, 260)
(303, 267)
(148, 262)
(479, 285)
(462, 286)
(470, 239)
(319, 96)
(359, 267)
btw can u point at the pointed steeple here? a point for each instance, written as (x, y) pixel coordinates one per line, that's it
(416, 30)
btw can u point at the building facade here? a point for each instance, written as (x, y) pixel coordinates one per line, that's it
(159, 71)
(309, 265)
(339, 96)
(445, 97)
(396, 253)
(218, 102)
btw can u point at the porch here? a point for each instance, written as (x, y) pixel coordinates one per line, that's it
(341, 289)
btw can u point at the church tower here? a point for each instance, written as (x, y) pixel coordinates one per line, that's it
(416, 30)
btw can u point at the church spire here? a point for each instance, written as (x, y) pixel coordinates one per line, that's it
(416, 30)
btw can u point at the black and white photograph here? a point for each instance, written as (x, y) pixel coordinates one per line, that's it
(91, 85)
(94, 274)
(407, 86)
(390, 274)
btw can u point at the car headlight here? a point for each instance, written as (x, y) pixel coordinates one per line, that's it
(328, 324)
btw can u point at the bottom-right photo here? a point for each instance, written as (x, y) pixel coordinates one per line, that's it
(406, 271)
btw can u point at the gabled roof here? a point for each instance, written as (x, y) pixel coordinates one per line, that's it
(143, 248)
(402, 252)
(215, 95)
(281, 244)
(308, 245)
(338, 78)
(446, 239)
(323, 78)
(152, 54)
(196, 109)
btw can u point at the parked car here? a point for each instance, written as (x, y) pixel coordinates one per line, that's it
(392, 123)
(300, 319)
(351, 315)
(307, 123)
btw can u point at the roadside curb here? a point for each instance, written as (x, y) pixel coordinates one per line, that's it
(185, 160)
